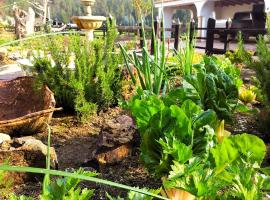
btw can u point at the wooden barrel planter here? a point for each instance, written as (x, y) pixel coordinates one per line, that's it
(24, 109)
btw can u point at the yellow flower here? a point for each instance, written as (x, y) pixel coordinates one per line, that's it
(246, 95)
(221, 133)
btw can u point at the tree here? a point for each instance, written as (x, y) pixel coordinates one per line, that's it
(142, 7)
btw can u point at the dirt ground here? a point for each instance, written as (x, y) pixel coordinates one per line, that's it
(75, 144)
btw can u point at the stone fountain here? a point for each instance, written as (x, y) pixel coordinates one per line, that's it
(89, 22)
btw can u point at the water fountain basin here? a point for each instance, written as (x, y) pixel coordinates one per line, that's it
(88, 22)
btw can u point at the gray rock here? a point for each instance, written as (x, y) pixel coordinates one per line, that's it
(27, 152)
(3, 53)
(4, 137)
(36, 145)
(117, 131)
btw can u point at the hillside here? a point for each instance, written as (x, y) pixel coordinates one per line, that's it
(122, 10)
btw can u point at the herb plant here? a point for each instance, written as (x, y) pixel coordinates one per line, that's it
(84, 76)
(232, 171)
(150, 70)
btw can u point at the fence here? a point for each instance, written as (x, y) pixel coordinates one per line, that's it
(178, 29)
(126, 31)
(212, 31)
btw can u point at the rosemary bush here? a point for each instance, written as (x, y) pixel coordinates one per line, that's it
(84, 76)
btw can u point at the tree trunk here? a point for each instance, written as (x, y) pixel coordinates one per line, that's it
(20, 22)
(45, 7)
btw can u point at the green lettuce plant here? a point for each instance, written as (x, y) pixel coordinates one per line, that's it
(232, 171)
(212, 88)
(67, 188)
(134, 195)
(171, 133)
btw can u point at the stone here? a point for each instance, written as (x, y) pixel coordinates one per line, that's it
(117, 131)
(30, 22)
(115, 155)
(115, 142)
(4, 137)
(3, 53)
(108, 156)
(27, 152)
(15, 55)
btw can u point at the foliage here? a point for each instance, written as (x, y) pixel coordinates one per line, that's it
(240, 158)
(212, 88)
(262, 65)
(195, 177)
(6, 37)
(135, 196)
(240, 55)
(142, 7)
(85, 76)
(67, 188)
(185, 56)
(246, 95)
(151, 70)
(170, 133)
(14, 197)
(231, 70)
(5, 185)
(234, 171)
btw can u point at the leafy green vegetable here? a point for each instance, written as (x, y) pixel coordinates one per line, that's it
(14, 197)
(248, 147)
(66, 188)
(211, 88)
(135, 196)
(172, 133)
(195, 177)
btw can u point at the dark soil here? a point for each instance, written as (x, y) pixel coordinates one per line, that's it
(75, 144)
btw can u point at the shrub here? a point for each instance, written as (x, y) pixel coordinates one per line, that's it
(240, 55)
(84, 76)
(262, 66)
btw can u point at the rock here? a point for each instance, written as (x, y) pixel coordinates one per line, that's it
(115, 155)
(15, 55)
(3, 53)
(109, 156)
(28, 152)
(4, 137)
(115, 142)
(117, 131)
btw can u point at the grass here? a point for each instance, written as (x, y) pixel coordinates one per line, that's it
(6, 37)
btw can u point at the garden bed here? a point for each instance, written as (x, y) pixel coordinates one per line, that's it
(75, 144)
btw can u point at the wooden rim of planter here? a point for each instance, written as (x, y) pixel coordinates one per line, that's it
(31, 115)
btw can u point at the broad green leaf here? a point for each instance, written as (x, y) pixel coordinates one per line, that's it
(208, 117)
(225, 153)
(250, 146)
(191, 109)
